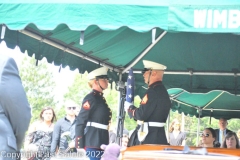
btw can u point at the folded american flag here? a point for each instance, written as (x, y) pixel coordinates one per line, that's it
(130, 87)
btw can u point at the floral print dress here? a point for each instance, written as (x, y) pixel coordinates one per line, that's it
(42, 140)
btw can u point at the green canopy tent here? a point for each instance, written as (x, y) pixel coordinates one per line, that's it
(217, 104)
(197, 40)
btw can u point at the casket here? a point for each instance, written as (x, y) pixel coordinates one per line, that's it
(164, 152)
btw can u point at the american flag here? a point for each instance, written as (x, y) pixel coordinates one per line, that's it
(130, 87)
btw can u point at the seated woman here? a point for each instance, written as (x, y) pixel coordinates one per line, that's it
(176, 136)
(40, 134)
(208, 137)
(231, 141)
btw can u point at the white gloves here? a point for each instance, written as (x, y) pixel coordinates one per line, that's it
(127, 105)
(81, 151)
(71, 144)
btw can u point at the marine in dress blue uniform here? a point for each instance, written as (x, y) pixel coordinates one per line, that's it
(154, 108)
(94, 117)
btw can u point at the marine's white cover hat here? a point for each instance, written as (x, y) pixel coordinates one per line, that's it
(153, 65)
(98, 73)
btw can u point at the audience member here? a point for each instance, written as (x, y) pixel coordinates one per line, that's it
(231, 141)
(208, 137)
(113, 137)
(125, 137)
(222, 131)
(64, 131)
(15, 113)
(39, 136)
(176, 136)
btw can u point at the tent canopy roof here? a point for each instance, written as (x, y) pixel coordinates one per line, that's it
(197, 40)
(217, 104)
(170, 15)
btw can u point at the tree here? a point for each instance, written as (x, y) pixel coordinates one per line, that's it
(79, 89)
(38, 83)
(76, 92)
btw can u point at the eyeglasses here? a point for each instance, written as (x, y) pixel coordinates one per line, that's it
(69, 108)
(150, 69)
(145, 70)
(205, 135)
(105, 79)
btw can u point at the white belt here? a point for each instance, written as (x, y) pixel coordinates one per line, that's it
(156, 124)
(97, 125)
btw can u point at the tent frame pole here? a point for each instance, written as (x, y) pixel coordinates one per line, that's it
(121, 112)
(145, 51)
(198, 127)
(197, 73)
(66, 49)
(87, 57)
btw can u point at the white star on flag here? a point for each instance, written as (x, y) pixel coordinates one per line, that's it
(129, 86)
(129, 77)
(130, 96)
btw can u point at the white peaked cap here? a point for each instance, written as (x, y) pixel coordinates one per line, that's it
(71, 103)
(153, 65)
(98, 72)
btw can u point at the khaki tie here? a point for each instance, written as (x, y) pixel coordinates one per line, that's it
(223, 136)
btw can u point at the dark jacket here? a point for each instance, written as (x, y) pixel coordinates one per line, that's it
(15, 112)
(155, 107)
(217, 136)
(62, 125)
(94, 109)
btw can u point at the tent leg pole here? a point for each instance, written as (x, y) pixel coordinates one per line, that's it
(118, 114)
(121, 112)
(183, 122)
(198, 130)
(168, 124)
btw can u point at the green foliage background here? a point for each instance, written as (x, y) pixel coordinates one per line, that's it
(38, 83)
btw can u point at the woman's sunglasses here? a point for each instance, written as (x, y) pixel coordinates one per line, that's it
(69, 108)
(205, 135)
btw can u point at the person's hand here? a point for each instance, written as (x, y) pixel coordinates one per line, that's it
(127, 105)
(71, 144)
(67, 133)
(81, 151)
